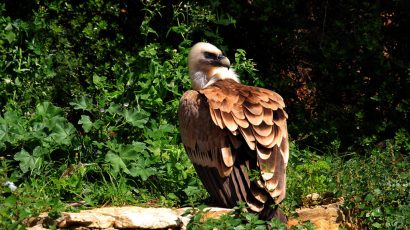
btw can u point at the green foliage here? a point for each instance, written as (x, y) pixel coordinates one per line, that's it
(374, 186)
(89, 92)
(16, 206)
(307, 173)
(94, 118)
(238, 219)
(378, 192)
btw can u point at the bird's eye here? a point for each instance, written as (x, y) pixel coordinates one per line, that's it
(209, 55)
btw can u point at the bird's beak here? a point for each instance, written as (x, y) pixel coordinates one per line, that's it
(224, 61)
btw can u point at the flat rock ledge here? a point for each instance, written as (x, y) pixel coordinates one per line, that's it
(127, 217)
(130, 217)
(326, 217)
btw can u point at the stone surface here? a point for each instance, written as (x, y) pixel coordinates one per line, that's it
(38, 223)
(37, 227)
(122, 217)
(322, 216)
(128, 217)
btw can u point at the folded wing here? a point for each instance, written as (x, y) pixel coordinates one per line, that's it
(236, 136)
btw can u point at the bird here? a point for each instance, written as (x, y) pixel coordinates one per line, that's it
(234, 134)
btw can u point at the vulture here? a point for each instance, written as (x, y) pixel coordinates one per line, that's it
(235, 135)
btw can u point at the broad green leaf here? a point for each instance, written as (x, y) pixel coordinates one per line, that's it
(138, 170)
(27, 161)
(39, 152)
(116, 163)
(3, 133)
(99, 81)
(260, 227)
(83, 103)
(10, 36)
(138, 146)
(86, 123)
(136, 118)
(11, 201)
(46, 109)
(114, 108)
(62, 133)
(128, 153)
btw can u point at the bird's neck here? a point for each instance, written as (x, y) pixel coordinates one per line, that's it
(201, 79)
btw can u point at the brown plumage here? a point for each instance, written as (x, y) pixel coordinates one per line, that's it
(235, 135)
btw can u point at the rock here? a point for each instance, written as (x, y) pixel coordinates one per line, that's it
(129, 217)
(122, 217)
(38, 223)
(37, 227)
(326, 217)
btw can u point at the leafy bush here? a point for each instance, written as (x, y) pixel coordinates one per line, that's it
(237, 219)
(307, 173)
(91, 106)
(376, 187)
(73, 99)
(89, 92)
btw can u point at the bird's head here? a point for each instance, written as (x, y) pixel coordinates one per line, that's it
(207, 65)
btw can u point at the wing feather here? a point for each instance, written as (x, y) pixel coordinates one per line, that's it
(217, 118)
(253, 118)
(227, 156)
(240, 122)
(211, 120)
(255, 109)
(268, 116)
(229, 121)
(265, 140)
(249, 138)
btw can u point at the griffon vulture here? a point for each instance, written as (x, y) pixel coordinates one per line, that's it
(235, 135)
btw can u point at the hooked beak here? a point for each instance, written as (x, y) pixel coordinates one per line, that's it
(223, 61)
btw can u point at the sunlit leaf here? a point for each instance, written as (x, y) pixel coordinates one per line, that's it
(116, 163)
(46, 109)
(136, 118)
(86, 123)
(83, 103)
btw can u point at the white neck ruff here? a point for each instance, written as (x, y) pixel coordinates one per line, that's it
(200, 80)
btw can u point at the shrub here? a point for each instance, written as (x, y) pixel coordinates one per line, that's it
(89, 92)
(376, 187)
